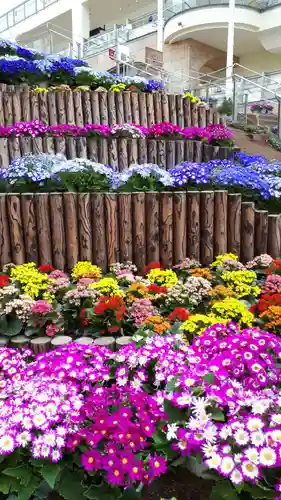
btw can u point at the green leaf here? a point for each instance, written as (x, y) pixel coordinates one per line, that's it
(196, 466)
(14, 327)
(70, 487)
(181, 461)
(8, 484)
(217, 415)
(102, 492)
(174, 414)
(172, 384)
(209, 378)
(27, 491)
(50, 473)
(223, 491)
(257, 492)
(131, 494)
(22, 473)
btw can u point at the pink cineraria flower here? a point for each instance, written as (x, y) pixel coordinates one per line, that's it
(41, 307)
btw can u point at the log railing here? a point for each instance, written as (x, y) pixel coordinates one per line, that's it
(61, 229)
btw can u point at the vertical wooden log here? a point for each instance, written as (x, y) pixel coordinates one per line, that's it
(207, 227)
(86, 107)
(43, 107)
(172, 108)
(220, 243)
(152, 227)
(142, 154)
(60, 102)
(49, 144)
(70, 145)
(25, 105)
(135, 108)
(209, 116)
(216, 117)
(8, 109)
(166, 229)
(34, 106)
(157, 107)
(187, 112)
(78, 111)
(202, 116)
(52, 109)
(29, 226)
(37, 145)
(57, 230)
(194, 115)
(127, 107)
(69, 106)
(99, 230)
(43, 228)
(179, 230)
(274, 243)
(170, 154)
(103, 108)
(40, 345)
(188, 150)
(198, 151)
(139, 230)
(2, 118)
(4, 153)
(93, 148)
(71, 229)
(60, 145)
(143, 112)
(247, 231)
(261, 231)
(179, 151)
(112, 219)
(25, 145)
(113, 153)
(84, 226)
(112, 120)
(152, 150)
(14, 147)
(165, 108)
(234, 224)
(16, 228)
(179, 111)
(95, 106)
(5, 242)
(81, 147)
(125, 226)
(161, 154)
(132, 151)
(119, 108)
(193, 225)
(16, 106)
(150, 110)
(122, 154)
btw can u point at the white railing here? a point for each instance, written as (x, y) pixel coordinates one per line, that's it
(22, 12)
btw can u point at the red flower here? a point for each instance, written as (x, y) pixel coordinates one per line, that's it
(157, 289)
(46, 268)
(253, 308)
(179, 314)
(275, 267)
(114, 305)
(152, 265)
(113, 329)
(83, 317)
(268, 300)
(4, 280)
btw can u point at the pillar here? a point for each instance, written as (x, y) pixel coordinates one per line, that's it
(230, 46)
(160, 25)
(80, 26)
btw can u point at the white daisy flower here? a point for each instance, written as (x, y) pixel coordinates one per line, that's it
(172, 431)
(241, 437)
(236, 477)
(252, 455)
(257, 438)
(254, 424)
(250, 470)
(268, 457)
(227, 465)
(214, 461)
(7, 444)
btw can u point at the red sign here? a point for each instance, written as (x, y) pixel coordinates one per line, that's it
(112, 53)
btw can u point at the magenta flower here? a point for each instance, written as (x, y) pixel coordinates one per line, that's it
(158, 465)
(91, 460)
(41, 307)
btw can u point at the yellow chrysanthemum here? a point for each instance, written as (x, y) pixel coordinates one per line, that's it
(231, 309)
(107, 286)
(32, 281)
(221, 258)
(166, 277)
(197, 323)
(241, 282)
(85, 269)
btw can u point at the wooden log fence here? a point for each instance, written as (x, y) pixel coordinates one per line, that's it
(107, 108)
(120, 153)
(63, 228)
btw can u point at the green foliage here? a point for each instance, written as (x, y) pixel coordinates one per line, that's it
(226, 107)
(70, 486)
(85, 181)
(275, 142)
(50, 473)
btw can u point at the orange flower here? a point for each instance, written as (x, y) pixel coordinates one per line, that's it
(203, 272)
(158, 324)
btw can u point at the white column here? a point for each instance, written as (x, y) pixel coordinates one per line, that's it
(160, 25)
(80, 25)
(230, 45)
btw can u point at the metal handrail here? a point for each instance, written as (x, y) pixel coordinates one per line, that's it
(11, 15)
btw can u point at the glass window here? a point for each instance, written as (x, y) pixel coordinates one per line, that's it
(19, 13)
(11, 18)
(30, 8)
(3, 23)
